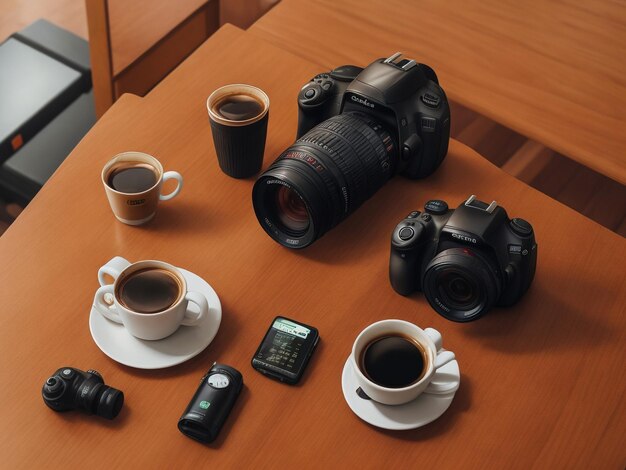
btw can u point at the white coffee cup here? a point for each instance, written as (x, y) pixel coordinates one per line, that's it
(429, 339)
(152, 326)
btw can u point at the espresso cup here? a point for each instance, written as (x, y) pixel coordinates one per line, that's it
(157, 300)
(428, 342)
(239, 114)
(133, 181)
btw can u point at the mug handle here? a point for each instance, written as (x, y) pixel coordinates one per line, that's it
(191, 318)
(113, 268)
(443, 356)
(168, 175)
(105, 308)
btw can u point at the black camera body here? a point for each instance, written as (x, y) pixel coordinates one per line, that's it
(356, 129)
(403, 95)
(69, 389)
(464, 260)
(322, 97)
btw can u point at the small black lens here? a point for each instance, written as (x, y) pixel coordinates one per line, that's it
(461, 284)
(110, 402)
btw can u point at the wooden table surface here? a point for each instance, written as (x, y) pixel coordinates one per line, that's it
(552, 71)
(541, 383)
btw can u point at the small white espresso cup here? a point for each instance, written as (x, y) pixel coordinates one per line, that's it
(150, 326)
(429, 340)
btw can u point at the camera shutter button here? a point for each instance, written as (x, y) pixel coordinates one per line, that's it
(310, 93)
(406, 233)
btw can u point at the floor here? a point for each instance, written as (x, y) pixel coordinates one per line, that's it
(576, 186)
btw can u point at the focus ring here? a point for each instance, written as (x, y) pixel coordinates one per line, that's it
(363, 139)
(340, 151)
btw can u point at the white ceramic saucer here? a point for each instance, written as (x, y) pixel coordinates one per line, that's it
(187, 342)
(419, 412)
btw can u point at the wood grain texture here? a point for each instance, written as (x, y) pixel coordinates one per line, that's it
(137, 26)
(542, 383)
(170, 51)
(134, 45)
(552, 71)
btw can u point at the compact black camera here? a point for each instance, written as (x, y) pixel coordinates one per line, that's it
(70, 389)
(465, 260)
(362, 127)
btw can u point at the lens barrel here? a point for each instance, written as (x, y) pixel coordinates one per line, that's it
(93, 396)
(461, 284)
(323, 177)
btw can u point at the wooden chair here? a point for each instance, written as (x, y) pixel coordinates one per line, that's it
(133, 45)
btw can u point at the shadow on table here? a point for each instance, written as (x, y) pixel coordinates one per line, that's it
(182, 216)
(115, 423)
(541, 321)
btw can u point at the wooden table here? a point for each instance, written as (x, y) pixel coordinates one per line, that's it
(552, 71)
(542, 383)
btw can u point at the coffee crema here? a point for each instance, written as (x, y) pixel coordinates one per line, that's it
(393, 361)
(132, 177)
(149, 291)
(240, 107)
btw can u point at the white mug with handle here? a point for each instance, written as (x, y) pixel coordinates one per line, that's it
(153, 325)
(436, 357)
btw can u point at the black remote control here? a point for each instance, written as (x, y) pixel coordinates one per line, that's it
(210, 406)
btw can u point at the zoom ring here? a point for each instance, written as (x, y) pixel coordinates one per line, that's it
(367, 145)
(342, 155)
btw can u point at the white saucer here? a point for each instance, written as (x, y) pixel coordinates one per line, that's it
(187, 342)
(419, 412)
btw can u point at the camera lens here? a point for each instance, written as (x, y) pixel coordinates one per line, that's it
(461, 284)
(323, 177)
(110, 402)
(95, 397)
(457, 288)
(291, 210)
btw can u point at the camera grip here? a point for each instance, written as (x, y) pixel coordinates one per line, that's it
(307, 119)
(404, 271)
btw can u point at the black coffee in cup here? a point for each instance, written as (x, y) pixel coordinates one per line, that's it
(132, 178)
(148, 291)
(239, 107)
(393, 361)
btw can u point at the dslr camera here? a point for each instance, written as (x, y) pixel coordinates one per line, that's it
(465, 260)
(356, 129)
